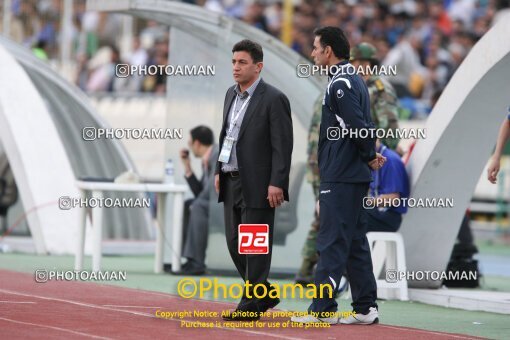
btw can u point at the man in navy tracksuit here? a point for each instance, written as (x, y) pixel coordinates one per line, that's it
(344, 168)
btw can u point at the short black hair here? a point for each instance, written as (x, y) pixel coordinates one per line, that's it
(203, 134)
(254, 49)
(334, 37)
(41, 43)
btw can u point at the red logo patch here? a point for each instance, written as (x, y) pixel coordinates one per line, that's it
(253, 239)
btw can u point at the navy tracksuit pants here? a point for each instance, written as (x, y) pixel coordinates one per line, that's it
(342, 245)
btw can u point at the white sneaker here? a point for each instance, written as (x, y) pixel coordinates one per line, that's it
(308, 318)
(362, 319)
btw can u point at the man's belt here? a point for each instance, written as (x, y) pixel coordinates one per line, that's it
(232, 173)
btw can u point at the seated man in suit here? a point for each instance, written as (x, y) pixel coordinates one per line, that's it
(197, 226)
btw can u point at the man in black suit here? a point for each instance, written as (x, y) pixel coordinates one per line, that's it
(201, 144)
(252, 173)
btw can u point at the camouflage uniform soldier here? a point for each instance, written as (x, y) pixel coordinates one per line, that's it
(383, 100)
(312, 174)
(309, 252)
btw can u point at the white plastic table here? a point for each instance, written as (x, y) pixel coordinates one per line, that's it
(163, 191)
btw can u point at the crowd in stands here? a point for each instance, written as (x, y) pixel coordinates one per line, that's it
(426, 40)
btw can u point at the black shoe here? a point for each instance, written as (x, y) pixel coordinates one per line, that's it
(267, 303)
(191, 268)
(167, 267)
(304, 281)
(242, 315)
(242, 304)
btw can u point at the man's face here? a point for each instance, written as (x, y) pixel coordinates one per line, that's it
(319, 54)
(356, 63)
(193, 146)
(359, 62)
(364, 63)
(243, 67)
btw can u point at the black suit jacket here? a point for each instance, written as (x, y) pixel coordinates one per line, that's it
(264, 145)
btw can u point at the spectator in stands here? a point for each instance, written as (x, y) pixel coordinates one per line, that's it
(30, 18)
(15, 28)
(503, 136)
(39, 50)
(158, 55)
(102, 67)
(153, 32)
(138, 57)
(450, 28)
(435, 77)
(255, 16)
(405, 56)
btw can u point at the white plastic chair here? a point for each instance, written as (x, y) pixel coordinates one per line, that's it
(387, 249)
